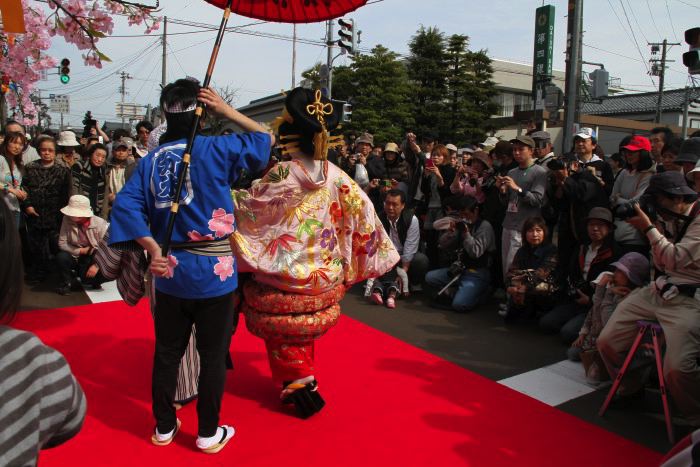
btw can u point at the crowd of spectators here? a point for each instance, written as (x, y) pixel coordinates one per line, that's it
(60, 189)
(567, 241)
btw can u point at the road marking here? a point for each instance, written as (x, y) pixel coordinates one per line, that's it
(553, 384)
(109, 293)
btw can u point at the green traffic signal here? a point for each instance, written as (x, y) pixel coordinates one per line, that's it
(64, 70)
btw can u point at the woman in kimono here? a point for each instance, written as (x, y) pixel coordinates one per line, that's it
(307, 232)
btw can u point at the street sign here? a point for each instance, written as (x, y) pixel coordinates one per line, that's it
(60, 103)
(129, 111)
(543, 52)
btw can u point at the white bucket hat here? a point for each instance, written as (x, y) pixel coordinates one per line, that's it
(78, 206)
(67, 138)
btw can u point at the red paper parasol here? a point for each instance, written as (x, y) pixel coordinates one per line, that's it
(282, 11)
(291, 11)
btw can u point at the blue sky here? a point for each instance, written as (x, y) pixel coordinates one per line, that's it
(258, 66)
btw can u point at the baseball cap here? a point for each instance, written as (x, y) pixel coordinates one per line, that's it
(541, 135)
(638, 143)
(635, 266)
(689, 152)
(451, 147)
(523, 139)
(489, 142)
(585, 133)
(696, 169)
(124, 142)
(670, 182)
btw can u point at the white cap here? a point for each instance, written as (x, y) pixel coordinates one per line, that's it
(585, 133)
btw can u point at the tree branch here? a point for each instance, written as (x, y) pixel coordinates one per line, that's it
(77, 20)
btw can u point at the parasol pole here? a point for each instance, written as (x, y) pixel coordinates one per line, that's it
(193, 131)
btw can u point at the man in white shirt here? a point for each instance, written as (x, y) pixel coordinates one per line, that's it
(404, 231)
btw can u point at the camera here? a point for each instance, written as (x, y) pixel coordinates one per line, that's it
(574, 287)
(462, 225)
(646, 203)
(456, 268)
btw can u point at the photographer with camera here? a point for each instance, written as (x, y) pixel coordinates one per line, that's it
(530, 282)
(475, 177)
(629, 186)
(585, 148)
(473, 241)
(672, 299)
(592, 258)
(572, 192)
(523, 192)
(92, 128)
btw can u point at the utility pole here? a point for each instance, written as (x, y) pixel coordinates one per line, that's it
(124, 76)
(164, 41)
(686, 104)
(294, 56)
(690, 99)
(659, 71)
(329, 57)
(573, 70)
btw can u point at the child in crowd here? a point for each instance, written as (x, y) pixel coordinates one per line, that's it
(631, 271)
(530, 279)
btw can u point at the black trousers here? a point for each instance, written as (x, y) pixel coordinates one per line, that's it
(66, 263)
(43, 243)
(213, 320)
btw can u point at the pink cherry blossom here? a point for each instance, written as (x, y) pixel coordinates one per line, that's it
(82, 23)
(221, 222)
(195, 236)
(172, 264)
(224, 268)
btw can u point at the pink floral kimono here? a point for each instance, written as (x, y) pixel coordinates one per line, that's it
(306, 241)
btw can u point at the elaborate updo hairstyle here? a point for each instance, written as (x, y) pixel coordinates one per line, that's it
(305, 123)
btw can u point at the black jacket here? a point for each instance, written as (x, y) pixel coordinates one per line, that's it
(48, 190)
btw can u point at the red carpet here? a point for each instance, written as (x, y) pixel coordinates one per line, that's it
(388, 404)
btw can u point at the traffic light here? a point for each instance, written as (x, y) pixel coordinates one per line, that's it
(348, 36)
(599, 83)
(64, 71)
(691, 59)
(347, 113)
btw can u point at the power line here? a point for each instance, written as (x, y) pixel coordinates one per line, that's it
(651, 15)
(670, 20)
(636, 43)
(634, 17)
(100, 74)
(688, 4)
(177, 60)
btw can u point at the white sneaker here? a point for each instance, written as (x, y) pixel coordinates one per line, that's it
(368, 287)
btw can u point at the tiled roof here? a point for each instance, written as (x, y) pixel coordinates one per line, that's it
(638, 103)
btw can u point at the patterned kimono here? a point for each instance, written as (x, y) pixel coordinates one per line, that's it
(306, 241)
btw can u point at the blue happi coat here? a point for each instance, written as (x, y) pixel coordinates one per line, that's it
(142, 207)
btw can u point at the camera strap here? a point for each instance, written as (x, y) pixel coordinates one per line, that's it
(694, 211)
